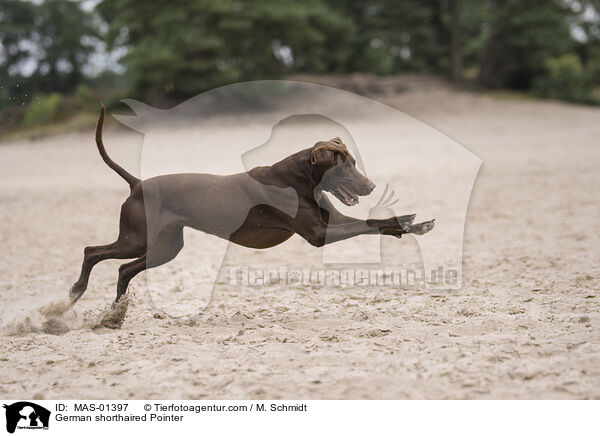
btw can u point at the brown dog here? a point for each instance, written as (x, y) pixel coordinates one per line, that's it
(260, 208)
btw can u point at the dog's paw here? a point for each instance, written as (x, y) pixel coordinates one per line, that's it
(75, 294)
(422, 228)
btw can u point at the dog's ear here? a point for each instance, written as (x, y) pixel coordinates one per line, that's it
(326, 152)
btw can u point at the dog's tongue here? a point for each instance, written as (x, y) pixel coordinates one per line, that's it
(348, 196)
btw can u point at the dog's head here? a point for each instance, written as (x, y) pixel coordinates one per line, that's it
(335, 171)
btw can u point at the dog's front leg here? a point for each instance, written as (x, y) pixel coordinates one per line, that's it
(333, 217)
(321, 234)
(326, 234)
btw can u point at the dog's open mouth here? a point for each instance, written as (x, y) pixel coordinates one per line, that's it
(345, 195)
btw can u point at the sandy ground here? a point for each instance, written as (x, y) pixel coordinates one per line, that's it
(524, 324)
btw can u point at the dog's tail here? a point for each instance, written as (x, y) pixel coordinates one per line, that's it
(129, 178)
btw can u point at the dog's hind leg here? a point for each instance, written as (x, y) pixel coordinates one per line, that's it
(165, 247)
(132, 242)
(123, 248)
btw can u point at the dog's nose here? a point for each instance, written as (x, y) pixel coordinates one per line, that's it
(371, 186)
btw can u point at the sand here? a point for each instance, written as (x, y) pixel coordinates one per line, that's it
(524, 324)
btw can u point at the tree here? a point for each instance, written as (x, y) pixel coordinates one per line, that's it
(18, 20)
(183, 47)
(394, 36)
(65, 36)
(456, 42)
(523, 35)
(43, 47)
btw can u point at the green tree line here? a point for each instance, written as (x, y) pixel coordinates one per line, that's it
(176, 49)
